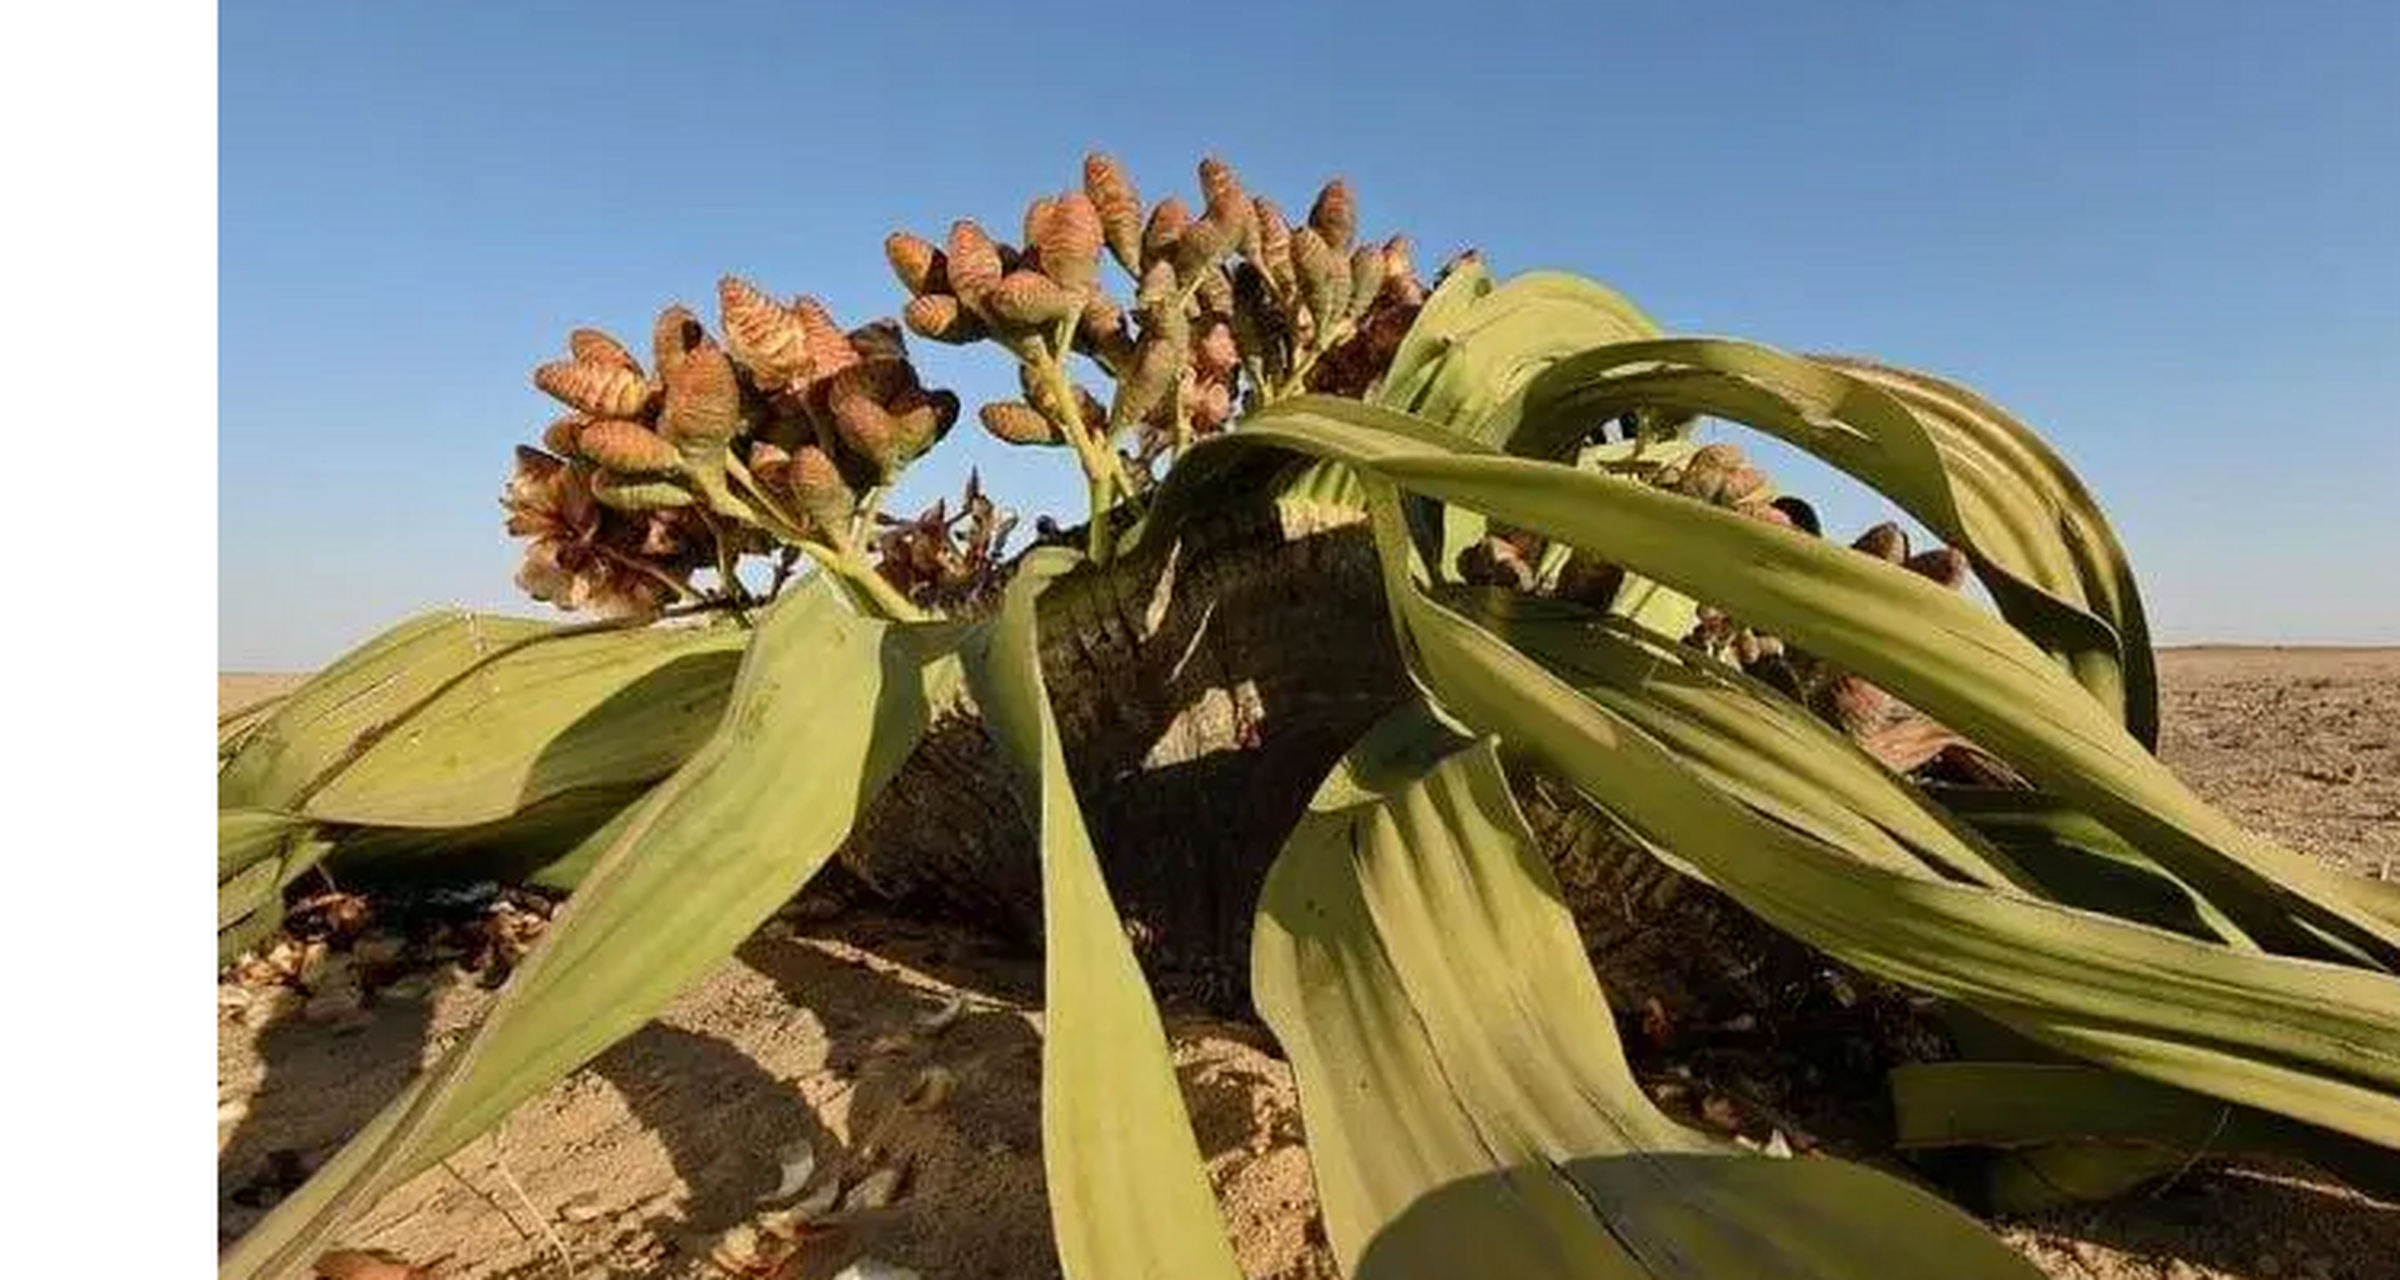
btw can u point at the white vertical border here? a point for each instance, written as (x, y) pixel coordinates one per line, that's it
(108, 267)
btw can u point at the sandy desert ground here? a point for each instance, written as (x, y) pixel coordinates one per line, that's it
(831, 1028)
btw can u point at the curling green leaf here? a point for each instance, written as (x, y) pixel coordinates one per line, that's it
(1970, 473)
(1931, 648)
(1468, 1106)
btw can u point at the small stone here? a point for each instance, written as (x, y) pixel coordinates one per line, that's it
(874, 1191)
(582, 1208)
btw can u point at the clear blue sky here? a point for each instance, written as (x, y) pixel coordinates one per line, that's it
(2166, 234)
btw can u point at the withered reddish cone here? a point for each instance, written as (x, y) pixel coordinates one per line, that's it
(1366, 278)
(818, 489)
(1167, 222)
(704, 400)
(1067, 233)
(973, 260)
(829, 349)
(1334, 216)
(941, 317)
(1119, 207)
(917, 262)
(559, 436)
(590, 346)
(628, 448)
(602, 390)
(763, 335)
(764, 455)
(1031, 300)
(677, 333)
(1886, 541)
(1945, 565)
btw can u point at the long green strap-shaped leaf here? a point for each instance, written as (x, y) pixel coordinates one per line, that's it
(1468, 1106)
(1925, 644)
(1973, 475)
(595, 710)
(826, 708)
(2314, 1041)
(1128, 1193)
(317, 723)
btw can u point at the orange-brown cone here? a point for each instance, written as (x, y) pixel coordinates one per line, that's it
(1119, 207)
(704, 400)
(627, 448)
(762, 334)
(919, 265)
(1019, 423)
(1334, 216)
(941, 317)
(602, 390)
(590, 346)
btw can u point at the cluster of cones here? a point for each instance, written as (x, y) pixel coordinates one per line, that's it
(774, 435)
(1234, 290)
(714, 451)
